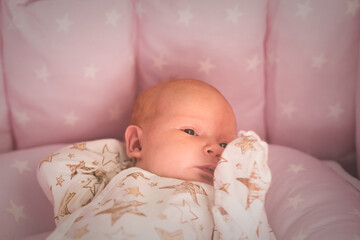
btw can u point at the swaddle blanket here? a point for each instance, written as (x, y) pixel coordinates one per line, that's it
(97, 194)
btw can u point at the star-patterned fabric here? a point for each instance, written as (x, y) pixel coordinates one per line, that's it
(315, 198)
(97, 195)
(300, 185)
(358, 119)
(5, 129)
(312, 76)
(69, 70)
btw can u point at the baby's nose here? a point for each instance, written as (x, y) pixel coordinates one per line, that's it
(214, 150)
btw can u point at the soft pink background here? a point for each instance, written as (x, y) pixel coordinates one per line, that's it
(358, 119)
(220, 42)
(69, 69)
(6, 140)
(311, 76)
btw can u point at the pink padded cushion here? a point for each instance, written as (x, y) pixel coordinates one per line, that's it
(25, 210)
(5, 129)
(357, 104)
(69, 69)
(312, 55)
(220, 42)
(308, 200)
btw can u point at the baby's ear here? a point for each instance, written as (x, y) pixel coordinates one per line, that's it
(133, 138)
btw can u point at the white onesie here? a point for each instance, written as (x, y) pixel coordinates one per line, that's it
(98, 195)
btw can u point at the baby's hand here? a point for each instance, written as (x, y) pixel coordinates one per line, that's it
(241, 181)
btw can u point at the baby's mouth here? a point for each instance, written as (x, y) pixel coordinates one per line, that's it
(209, 169)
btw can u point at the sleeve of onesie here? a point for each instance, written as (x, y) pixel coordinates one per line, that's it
(241, 181)
(74, 175)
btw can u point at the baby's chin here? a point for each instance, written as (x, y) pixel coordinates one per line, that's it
(205, 179)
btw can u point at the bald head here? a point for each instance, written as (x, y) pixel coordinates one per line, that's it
(148, 104)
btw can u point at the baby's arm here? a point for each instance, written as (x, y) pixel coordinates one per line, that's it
(242, 179)
(73, 176)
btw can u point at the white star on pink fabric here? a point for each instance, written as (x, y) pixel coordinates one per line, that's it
(21, 166)
(21, 117)
(185, 16)
(303, 9)
(318, 61)
(90, 71)
(112, 17)
(42, 74)
(159, 62)
(16, 210)
(71, 119)
(335, 111)
(64, 24)
(288, 109)
(253, 63)
(294, 201)
(206, 66)
(233, 14)
(352, 7)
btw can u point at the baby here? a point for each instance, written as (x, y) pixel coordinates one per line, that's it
(179, 129)
(184, 184)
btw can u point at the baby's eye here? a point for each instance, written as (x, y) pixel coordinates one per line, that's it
(190, 132)
(223, 145)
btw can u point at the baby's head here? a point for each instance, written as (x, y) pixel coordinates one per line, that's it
(179, 128)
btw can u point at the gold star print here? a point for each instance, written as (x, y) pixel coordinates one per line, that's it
(188, 187)
(109, 157)
(71, 155)
(162, 216)
(95, 163)
(64, 210)
(74, 168)
(48, 159)
(164, 235)
(109, 200)
(187, 216)
(78, 218)
(201, 227)
(134, 191)
(135, 175)
(79, 146)
(59, 181)
(224, 187)
(238, 165)
(243, 236)
(224, 214)
(253, 183)
(120, 208)
(153, 184)
(91, 185)
(80, 232)
(245, 144)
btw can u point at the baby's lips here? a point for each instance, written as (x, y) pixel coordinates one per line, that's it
(209, 168)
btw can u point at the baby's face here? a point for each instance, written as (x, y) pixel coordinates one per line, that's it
(188, 136)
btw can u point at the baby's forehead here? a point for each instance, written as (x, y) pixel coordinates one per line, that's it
(186, 90)
(172, 94)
